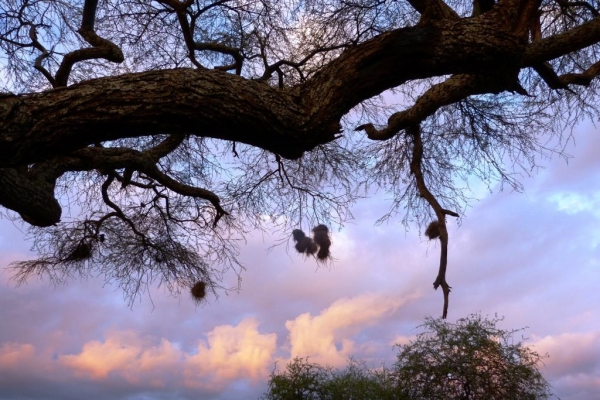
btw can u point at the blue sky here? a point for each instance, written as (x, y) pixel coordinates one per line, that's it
(531, 257)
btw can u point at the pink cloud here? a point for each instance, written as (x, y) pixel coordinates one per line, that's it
(231, 353)
(14, 354)
(571, 353)
(126, 354)
(573, 367)
(325, 338)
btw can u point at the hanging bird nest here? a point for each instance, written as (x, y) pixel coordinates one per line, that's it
(198, 291)
(319, 243)
(321, 238)
(298, 235)
(433, 230)
(83, 251)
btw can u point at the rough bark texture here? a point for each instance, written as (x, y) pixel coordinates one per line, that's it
(220, 105)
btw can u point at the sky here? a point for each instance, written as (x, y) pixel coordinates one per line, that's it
(532, 258)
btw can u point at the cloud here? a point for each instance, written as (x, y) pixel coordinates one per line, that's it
(126, 354)
(325, 338)
(573, 368)
(571, 353)
(231, 353)
(13, 354)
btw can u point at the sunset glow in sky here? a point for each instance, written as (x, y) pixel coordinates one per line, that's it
(533, 258)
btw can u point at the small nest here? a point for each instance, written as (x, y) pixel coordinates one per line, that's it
(319, 244)
(312, 247)
(83, 251)
(321, 228)
(306, 245)
(198, 291)
(298, 235)
(321, 238)
(433, 230)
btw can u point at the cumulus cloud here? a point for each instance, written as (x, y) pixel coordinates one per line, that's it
(325, 338)
(126, 354)
(231, 352)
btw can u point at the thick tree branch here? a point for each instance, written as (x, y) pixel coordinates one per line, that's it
(560, 44)
(214, 104)
(584, 78)
(33, 199)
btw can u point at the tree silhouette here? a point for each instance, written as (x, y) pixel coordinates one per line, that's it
(169, 129)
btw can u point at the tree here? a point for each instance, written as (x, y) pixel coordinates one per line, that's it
(472, 359)
(303, 380)
(168, 129)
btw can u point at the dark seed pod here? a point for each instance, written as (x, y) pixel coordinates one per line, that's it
(433, 230)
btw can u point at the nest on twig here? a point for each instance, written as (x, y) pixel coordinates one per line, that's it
(198, 291)
(83, 251)
(321, 237)
(306, 245)
(433, 230)
(298, 235)
(319, 243)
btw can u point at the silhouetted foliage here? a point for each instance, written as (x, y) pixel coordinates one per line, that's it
(170, 129)
(470, 360)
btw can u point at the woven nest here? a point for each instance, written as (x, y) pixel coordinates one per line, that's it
(298, 235)
(198, 291)
(321, 237)
(306, 245)
(83, 251)
(321, 228)
(433, 230)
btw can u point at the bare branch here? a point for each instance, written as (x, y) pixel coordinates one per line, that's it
(102, 48)
(415, 167)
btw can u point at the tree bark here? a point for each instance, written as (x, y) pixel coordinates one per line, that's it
(209, 103)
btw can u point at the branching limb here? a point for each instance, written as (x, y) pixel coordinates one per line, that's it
(102, 48)
(433, 9)
(584, 4)
(113, 158)
(187, 29)
(584, 78)
(453, 89)
(415, 168)
(39, 59)
(276, 67)
(554, 46)
(118, 212)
